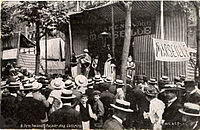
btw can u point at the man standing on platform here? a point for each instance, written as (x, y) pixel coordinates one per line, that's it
(85, 63)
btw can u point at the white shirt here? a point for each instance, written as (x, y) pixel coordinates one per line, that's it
(117, 118)
(156, 110)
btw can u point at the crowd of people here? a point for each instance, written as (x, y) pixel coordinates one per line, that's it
(103, 101)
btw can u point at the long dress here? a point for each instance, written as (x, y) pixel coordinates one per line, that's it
(74, 69)
(109, 69)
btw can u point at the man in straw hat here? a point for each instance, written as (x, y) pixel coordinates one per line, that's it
(66, 115)
(55, 95)
(190, 118)
(85, 60)
(121, 109)
(156, 107)
(81, 81)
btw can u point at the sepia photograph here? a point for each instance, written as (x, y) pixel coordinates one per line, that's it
(100, 64)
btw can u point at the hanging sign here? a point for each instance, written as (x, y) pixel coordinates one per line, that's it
(171, 51)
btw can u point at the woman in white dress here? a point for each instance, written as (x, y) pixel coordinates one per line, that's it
(109, 68)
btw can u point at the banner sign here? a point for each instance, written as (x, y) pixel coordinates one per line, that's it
(171, 51)
(143, 26)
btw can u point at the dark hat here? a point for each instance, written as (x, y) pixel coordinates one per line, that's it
(189, 85)
(122, 105)
(96, 92)
(150, 91)
(83, 95)
(190, 109)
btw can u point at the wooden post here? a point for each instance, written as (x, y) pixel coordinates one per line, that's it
(18, 47)
(113, 33)
(70, 38)
(46, 52)
(127, 40)
(162, 34)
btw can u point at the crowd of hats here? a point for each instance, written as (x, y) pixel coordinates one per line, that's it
(20, 82)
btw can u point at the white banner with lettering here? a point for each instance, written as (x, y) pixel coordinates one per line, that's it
(171, 51)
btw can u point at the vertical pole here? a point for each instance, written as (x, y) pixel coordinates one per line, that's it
(46, 53)
(162, 33)
(113, 33)
(18, 47)
(198, 38)
(162, 21)
(70, 38)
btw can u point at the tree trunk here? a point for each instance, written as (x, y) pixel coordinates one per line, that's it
(67, 53)
(127, 40)
(37, 39)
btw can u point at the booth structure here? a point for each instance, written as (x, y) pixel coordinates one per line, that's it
(87, 26)
(21, 50)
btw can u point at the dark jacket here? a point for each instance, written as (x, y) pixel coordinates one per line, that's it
(171, 113)
(30, 111)
(112, 124)
(66, 116)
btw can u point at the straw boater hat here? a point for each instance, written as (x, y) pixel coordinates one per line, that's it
(119, 82)
(152, 81)
(69, 84)
(36, 86)
(86, 51)
(31, 80)
(90, 83)
(81, 80)
(57, 84)
(108, 80)
(97, 78)
(27, 86)
(103, 76)
(182, 77)
(190, 109)
(67, 94)
(164, 79)
(122, 105)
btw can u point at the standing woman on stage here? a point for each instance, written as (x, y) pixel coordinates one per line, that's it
(109, 68)
(73, 64)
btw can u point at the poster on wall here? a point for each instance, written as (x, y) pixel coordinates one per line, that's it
(171, 51)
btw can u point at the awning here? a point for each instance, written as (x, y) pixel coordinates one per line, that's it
(12, 42)
(25, 42)
(9, 54)
(102, 14)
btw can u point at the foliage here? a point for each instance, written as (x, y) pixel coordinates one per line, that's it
(7, 23)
